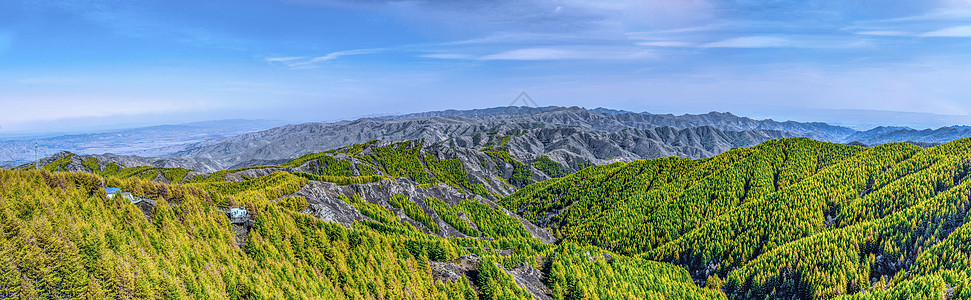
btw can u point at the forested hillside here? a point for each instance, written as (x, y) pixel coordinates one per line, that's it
(789, 218)
(488, 171)
(62, 237)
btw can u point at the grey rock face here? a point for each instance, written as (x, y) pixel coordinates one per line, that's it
(606, 135)
(451, 271)
(325, 203)
(532, 280)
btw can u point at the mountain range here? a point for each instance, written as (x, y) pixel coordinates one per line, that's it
(569, 135)
(502, 203)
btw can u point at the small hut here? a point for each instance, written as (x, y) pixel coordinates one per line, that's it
(236, 215)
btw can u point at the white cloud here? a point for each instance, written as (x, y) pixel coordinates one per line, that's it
(448, 56)
(884, 33)
(797, 41)
(335, 55)
(305, 62)
(569, 54)
(751, 42)
(956, 31)
(666, 44)
(532, 54)
(283, 59)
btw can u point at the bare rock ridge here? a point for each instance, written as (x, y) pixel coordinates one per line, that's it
(624, 136)
(212, 146)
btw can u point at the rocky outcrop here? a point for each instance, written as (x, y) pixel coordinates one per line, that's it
(464, 266)
(467, 266)
(325, 203)
(531, 279)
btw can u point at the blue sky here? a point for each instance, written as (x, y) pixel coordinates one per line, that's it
(70, 65)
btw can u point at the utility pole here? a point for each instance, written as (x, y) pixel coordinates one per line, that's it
(36, 161)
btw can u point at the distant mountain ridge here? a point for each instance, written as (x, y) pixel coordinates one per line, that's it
(883, 135)
(614, 120)
(599, 127)
(598, 135)
(627, 136)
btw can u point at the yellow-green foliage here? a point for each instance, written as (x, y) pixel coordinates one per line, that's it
(491, 222)
(928, 233)
(91, 164)
(218, 176)
(295, 203)
(925, 287)
(548, 166)
(497, 284)
(451, 172)
(366, 170)
(520, 173)
(788, 218)
(324, 164)
(447, 214)
(341, 180)
(400, 160)
(413, 211)
(590, 273)
(354, 149)
(374, 211)
(58, 165)
(403, 159)
(260, 189)
(296, 162)
(62, 238)
(174, 175)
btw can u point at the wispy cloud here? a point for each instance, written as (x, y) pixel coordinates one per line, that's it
(309, 62)
(447, 56)
(956, 31)
(884, 33)
(751, 42)
(953, 12)
(805, 42)
(666, 44)
(284, 59)
(953, 31)
(553, 53)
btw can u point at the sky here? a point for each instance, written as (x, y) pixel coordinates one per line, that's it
(71, 65)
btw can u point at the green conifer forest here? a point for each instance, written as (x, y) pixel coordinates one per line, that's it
(787, 219)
